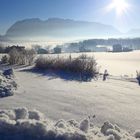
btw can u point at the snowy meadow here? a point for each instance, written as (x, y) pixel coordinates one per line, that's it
(118, 64)
(71, 109)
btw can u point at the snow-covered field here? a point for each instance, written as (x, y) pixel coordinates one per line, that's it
(125, 63)
(114, 100)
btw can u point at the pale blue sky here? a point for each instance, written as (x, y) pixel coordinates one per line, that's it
(87, 10)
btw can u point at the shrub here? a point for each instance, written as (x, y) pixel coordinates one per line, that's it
(4, 59)
(83, 66)
(7, 83)
(21, 57)
(30, 55)
(16, 124)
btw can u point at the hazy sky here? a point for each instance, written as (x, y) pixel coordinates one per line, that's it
(87, 10)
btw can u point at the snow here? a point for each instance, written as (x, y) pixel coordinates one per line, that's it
(117, 64)
(137, 134)
(24, 127)
(35, 114)
(21, 113)
(106, 126)
(60, 99)
(114, 100)
(7, 83)
(84, 125)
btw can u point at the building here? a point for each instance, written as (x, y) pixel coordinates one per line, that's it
(100, 48)
(57, 50)
(127, 49)
(117, 48)
(83, 49)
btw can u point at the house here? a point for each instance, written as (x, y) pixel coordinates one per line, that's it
(57, 50)
(100, 48)
(83, 49)
(117, 48)
(127, 49)
(42, 51)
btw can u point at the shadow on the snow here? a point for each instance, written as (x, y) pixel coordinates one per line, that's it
(8, 66)
(52, 74)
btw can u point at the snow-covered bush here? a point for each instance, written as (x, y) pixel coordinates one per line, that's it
(107, 125)
(137, 134)
(4, 59)
(35, 114)
(21, 113)
(21, 124)
(84, 67)
(9, 73)
(21, 56)
(7, 83)
(84, 125)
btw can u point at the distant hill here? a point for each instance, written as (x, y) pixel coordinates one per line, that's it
(3, 38)
(103, 44)
(59, 28)
(134, 32)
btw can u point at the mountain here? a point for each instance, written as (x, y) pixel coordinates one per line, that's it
(134, 32)
(59, 28)
(3, 38)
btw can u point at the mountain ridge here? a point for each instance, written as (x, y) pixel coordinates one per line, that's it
(59, 28)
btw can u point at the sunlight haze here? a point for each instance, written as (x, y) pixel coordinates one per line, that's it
(121, 14)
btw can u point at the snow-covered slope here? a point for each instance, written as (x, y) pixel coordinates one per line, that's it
(113, 100)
